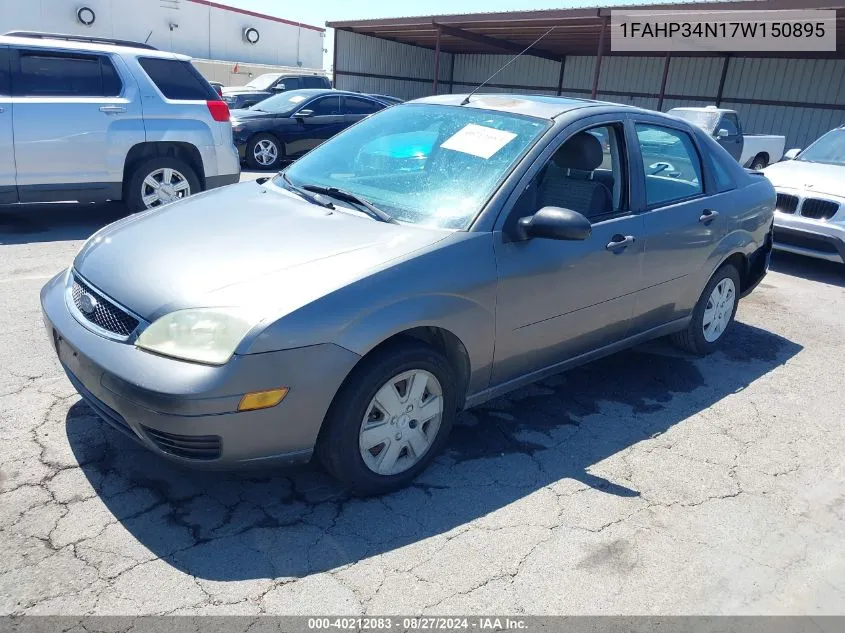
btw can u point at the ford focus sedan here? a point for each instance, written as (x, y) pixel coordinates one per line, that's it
(436, 255)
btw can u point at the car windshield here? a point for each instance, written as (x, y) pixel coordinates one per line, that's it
(284, 102)
(704, 119)
(263, 82)
(424, 164)
(829, 149)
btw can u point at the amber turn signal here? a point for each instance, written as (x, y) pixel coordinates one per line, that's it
(262, 399)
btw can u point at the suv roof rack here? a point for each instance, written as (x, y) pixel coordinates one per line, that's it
(79, 38)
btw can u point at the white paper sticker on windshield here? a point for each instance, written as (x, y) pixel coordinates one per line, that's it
(478, 140)
(296, 99)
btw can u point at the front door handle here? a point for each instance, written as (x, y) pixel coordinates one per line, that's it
(112, 109)
(708, 215)
(618, 242)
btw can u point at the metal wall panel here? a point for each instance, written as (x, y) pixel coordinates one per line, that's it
(579, 72)
(372, 55)
(635, 74)
(697, 76)
(525, 71)
(464, 88)
(396, 87)
(805, 80)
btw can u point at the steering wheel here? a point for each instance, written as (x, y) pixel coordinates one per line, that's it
(661, 166)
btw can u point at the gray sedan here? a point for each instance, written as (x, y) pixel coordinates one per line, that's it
(436, 255)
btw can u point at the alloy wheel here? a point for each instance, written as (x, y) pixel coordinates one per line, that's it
(163, 186)
(265, 152)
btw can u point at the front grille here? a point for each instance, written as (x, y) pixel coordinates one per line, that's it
(786, 203)
(203, 447)
(105, 315)
(818, 209)
(805, 241)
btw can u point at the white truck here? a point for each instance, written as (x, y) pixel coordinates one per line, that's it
(750, 150)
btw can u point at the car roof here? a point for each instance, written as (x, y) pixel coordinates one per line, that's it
(542, 106)
(82, 47)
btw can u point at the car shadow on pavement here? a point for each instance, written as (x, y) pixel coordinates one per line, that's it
(298, 522)
(810, 268)
(56, 221)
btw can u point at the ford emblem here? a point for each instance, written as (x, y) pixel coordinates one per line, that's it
(87, 303)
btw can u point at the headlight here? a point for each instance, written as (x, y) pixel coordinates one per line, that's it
(202, 335)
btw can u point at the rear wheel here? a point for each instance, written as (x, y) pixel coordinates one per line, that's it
(264, 151)
(713, 313)
(759, 162)
(390, 419)
(159, 181)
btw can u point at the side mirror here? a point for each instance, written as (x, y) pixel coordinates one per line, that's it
(304, 114)
(554, 223)
(279, 88)
(792, 154)
(722, 133)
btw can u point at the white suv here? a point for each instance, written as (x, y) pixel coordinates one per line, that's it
(92, 120)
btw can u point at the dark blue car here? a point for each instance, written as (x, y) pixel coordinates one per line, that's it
(287, 125)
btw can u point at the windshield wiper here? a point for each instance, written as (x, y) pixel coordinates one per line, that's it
(310, 198)
(348, 196)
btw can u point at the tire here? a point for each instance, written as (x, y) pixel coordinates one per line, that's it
(342, 444)
(133, 194)
(759, 163)
(695, 338)
(270, 141)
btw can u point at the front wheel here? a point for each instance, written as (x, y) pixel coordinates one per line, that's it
(390, 419)
(264, 151)
(713, 313)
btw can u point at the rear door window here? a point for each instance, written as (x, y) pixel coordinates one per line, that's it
(672, 165)
(314, 82)
(356, 105)
(57, 74)
(5, 81)
(178, 80)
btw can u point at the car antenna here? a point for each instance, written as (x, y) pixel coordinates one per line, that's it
(480, 86)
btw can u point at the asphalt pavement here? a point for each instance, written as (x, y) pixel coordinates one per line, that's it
(649, 482)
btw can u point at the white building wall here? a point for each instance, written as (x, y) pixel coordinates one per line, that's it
(182, 26)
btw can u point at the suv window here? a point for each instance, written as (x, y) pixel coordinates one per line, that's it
(672, 164)
(178, 79)
(356, 105)
(315, 82)
(325, 106)
(55, 74)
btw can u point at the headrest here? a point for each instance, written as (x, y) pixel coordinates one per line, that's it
(583, 151)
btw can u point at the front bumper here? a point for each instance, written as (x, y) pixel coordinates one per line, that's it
(814, 238)
(187, 412)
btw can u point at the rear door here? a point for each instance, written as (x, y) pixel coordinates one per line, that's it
(8, 188)
(357, 108)
(729, 134)
(75, 119)
(681, 223)
(316, 122)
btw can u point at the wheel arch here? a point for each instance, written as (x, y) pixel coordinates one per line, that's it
(179, 150)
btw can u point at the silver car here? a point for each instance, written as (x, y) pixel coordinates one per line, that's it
(810, 213)
(436, 255)
(91, 120)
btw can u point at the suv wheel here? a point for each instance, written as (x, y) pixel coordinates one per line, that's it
(713, 313)
(264, 151)
(159, 181)
(390, 419)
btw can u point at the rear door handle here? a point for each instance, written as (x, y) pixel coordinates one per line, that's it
(112, 109)
(618, 242)
(708, 215)
(2, 109)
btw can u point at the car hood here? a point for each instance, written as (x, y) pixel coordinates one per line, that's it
(242, 91)
(249, 245)
(244, 114)
(814, 177)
